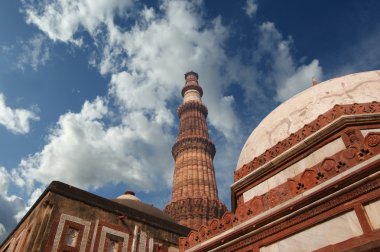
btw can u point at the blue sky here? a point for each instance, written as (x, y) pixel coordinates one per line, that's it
(89, 88)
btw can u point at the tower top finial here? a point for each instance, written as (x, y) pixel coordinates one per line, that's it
(191, 83)
(191, 73)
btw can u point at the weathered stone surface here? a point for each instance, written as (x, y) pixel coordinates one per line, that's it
(66, 218)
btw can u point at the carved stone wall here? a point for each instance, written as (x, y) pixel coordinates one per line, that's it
(195, 195)
(345, 179)
(271, 227)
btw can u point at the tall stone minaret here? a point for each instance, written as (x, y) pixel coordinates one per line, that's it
(195, 195)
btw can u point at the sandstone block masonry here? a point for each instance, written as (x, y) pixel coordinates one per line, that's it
(195, 195)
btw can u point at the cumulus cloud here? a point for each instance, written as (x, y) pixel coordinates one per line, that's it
(84, 152)
(154, 71)
(272, 68)
(250, 8)
(61, 19)
(154, 53)
(146, 64)
(4, 181)
(34, 53)
(17, 120)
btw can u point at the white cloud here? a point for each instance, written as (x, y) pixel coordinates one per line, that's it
(299, 80)
(147, 65)
(10, 208)
(15, 120)
(84, 152)
(288, 76)
(152, 51)
(11, 205)
(251, 8)
(34, 53)
(2, 232)
(61, 19)
(32, 199)
(155, 69)
(4, 180)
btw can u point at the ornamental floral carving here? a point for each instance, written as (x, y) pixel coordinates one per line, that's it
(328, 166)
(372, 140)
(309, 178)
(350, 152)
(256, 204)
(272, 198)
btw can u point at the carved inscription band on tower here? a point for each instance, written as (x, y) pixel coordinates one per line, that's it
(195, 195)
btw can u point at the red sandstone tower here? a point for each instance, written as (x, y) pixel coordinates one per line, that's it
(195, 195)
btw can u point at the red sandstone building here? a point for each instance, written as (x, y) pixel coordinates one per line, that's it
(66, 218)
(195, 195)
(308, 177)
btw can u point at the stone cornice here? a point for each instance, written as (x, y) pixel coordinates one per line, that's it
(193, 143)
(192, 105)
(304, 147)
(343, 199)
(301, 137)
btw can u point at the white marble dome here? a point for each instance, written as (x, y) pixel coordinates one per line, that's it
(306, 106)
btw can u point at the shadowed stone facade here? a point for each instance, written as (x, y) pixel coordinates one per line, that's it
(195, 195)
(66, 218)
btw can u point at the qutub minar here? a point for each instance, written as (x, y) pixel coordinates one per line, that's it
(195, 195)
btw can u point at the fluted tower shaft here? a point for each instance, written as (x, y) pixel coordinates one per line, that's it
(195, 195)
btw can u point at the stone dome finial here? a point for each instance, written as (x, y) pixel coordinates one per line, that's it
(314, 81)
(130, 195)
